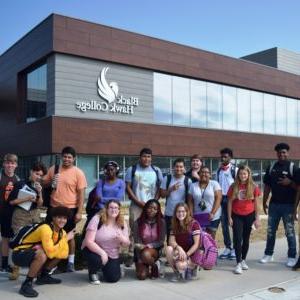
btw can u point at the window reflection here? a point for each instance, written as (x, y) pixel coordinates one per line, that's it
(243, 102)
(256, 112)
(292, 116)
(229, 108)
(280, 115)
(269, 113)
(214, 105)
(162, 98)
(181, 101)
(198, 104)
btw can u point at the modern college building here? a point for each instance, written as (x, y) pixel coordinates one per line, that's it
(109, 92)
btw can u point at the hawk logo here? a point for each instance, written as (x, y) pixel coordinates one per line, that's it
(108, 91)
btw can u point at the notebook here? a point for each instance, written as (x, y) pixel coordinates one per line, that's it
(23, 193)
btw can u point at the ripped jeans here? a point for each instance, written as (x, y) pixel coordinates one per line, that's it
(276, 212)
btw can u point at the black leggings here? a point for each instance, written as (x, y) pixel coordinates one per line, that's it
(242, 226)
(111, 271)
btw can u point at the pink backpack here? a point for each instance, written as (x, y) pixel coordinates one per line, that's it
(206, 256)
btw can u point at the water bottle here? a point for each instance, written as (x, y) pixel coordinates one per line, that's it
(56, 168)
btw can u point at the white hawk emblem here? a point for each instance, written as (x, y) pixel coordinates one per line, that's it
(109, 92)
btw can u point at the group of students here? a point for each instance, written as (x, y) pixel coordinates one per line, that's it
(195, 203)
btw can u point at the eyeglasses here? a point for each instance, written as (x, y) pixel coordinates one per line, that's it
(114, 208)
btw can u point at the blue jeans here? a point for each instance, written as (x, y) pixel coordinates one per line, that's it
(276, 212)
(224, 223)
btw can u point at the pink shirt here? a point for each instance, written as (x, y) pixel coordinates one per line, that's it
(105, 237)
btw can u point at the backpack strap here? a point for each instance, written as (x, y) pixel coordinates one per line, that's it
(186, 186)
(218, 174)
(169, 177)
(232, 170)
(157, 176)
(133, 170)
(291, 168)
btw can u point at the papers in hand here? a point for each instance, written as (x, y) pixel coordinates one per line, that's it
(24, 193)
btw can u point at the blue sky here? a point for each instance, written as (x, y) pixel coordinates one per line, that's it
(228, 27)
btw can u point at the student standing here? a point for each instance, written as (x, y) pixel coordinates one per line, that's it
(279, 180)
(70, 184)
(8, 179)
(225, 176)
(196, 164)
(243, 197)
(175, 189)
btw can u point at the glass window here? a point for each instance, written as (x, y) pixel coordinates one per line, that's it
(280, 115)
(269, 113)
(214, 105)
(229, 108)
(162, 98)
(163, 163)
(36, 97)
(88, 164)
(243, 102)
(255, 166)
(198, 104)
(181, 101)
(292, 116)
(257, 108)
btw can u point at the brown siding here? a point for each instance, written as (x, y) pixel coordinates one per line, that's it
(87, 39)
(107, 137)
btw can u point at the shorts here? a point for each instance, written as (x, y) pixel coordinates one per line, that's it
(213, 226)
(23, 258)
(5, 224)
(70, 222)
(22, 217)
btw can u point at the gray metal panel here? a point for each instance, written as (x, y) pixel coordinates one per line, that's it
(50, 85)
(76, 81)
(289, 61)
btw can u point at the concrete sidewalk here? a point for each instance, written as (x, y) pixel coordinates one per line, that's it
(220, 283)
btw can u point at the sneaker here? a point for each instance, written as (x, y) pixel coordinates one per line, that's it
(94, 279)
(291, 262)
(161, 268)
(188, 274)
(175, 277)
(225, 253)
(232, 254)
(244, 265)
(195, 273)
(154, 272)
(14, 275)
(47, 279)
(8, 269)
(70, 267)
(266, 259)
(28, 291)
(238, 269)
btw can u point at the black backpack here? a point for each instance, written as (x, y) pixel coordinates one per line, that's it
(23, 232)
(186, 184)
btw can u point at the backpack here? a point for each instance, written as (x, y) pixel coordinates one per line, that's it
(206, 256)
(22, 234)
(291, 168)
(154, 168)
(92, 200)
(26, 230)
(186, 184)
(232, 171)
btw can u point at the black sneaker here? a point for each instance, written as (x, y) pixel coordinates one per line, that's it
(47, 279)
(27, 290)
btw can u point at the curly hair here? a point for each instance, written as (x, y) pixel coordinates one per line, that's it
(176, 226)
(104, 216)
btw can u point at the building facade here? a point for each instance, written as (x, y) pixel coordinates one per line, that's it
(109, 93)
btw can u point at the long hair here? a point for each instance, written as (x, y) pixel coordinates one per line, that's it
(176, 226)
(250, 185)
(143, 217)
(104, 216)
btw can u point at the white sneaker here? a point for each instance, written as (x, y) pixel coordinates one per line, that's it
(291, 262)
(94, 279)
(225, 253)
(244, 265)
(232, 254)
(238, 269)
(266, 259)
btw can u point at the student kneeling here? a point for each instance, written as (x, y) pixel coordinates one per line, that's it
(42, 249)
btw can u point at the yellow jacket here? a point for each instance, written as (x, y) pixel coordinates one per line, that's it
(47, 238)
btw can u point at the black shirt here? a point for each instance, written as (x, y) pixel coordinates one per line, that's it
(281, 194)
(19, 185)
(189, 175)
